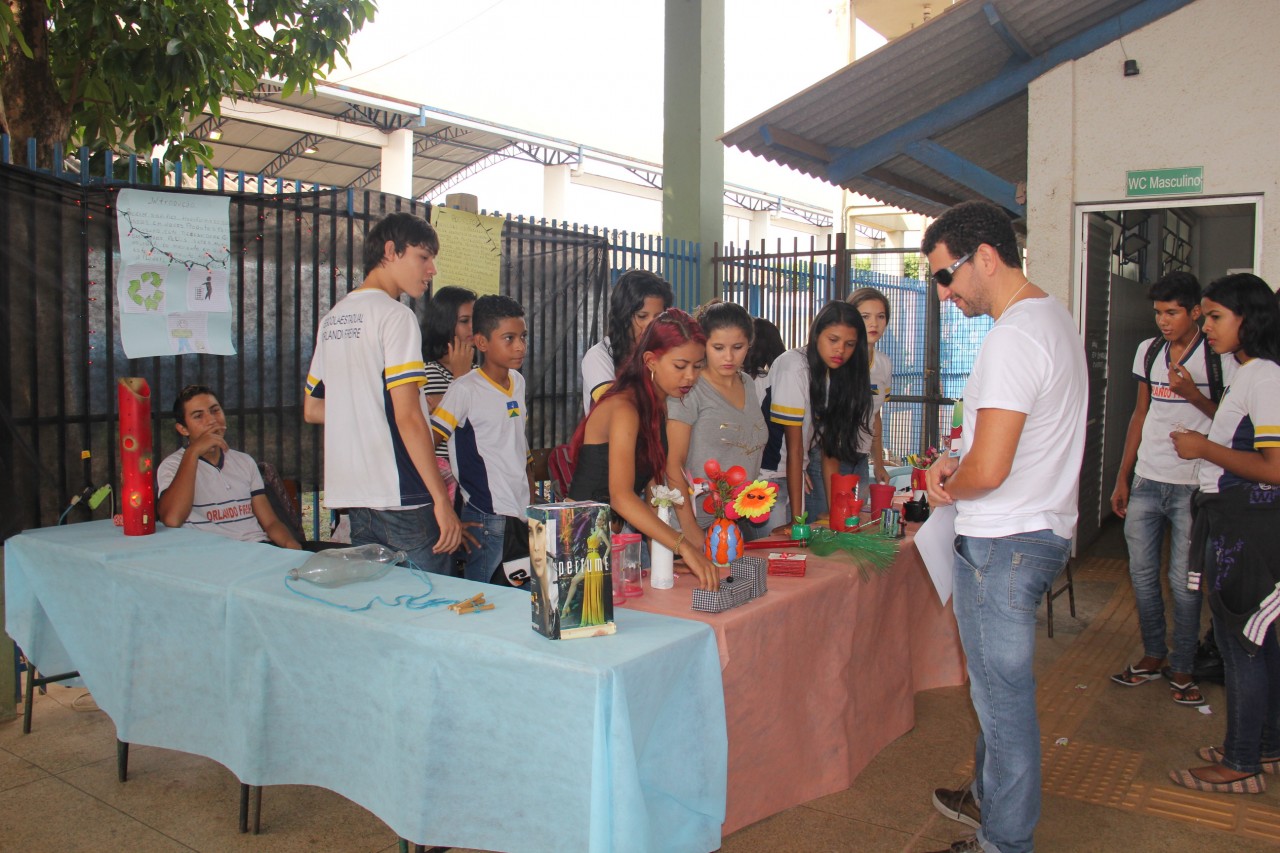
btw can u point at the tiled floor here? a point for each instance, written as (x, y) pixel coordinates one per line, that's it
(1107, 750)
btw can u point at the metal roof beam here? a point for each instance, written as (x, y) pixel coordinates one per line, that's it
(293, 152)
(1021, 51)
(1005, 85)
(962, 171)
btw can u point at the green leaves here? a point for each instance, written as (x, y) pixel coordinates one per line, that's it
(132, 73)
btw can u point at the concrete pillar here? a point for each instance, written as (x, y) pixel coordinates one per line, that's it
(759, 228)
(555, 192)
(693, 119)
(397, 164)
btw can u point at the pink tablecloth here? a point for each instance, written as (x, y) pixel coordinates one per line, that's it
(820, 674)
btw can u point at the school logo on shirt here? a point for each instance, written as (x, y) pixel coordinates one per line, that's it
(513, 409)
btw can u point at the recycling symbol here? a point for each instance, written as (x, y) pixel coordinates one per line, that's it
(147, 290)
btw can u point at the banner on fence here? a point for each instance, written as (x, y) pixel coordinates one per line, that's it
(470, 250)
(174, 287)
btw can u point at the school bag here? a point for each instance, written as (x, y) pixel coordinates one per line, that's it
(1212, 366)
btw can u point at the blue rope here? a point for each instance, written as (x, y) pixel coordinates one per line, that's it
(410, 602)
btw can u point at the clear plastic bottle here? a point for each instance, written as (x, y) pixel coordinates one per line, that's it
(341, 566)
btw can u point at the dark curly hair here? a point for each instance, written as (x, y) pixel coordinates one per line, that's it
(725, 315)
(403, 230)
(440, 320)
(766, 346)
(1180, 287)
(626, 299)
(968, 225)
(1253, 300)
(839, 408)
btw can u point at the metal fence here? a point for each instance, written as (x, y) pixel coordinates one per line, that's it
(931, 345)
(295, 252)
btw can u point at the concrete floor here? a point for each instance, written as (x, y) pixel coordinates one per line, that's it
(1107, 750)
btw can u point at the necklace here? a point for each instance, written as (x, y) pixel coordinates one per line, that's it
(1015, 296)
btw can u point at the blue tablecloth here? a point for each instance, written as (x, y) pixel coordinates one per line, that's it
(468, 731)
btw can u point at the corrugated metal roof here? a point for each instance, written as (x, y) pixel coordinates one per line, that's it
(267, 133)
(930, 86)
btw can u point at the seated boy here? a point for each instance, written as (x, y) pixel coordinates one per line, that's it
(482, 416)
(208, 486)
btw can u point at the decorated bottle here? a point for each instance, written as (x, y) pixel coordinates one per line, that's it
(957, 427)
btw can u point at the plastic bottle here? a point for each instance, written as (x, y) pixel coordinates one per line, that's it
(341, 566)
(957, 427)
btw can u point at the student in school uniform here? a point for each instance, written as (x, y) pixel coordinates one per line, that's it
(482, 417)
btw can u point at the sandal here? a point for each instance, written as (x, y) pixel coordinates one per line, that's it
(1132, 676)
(1248, 785)
(1214, 755)
(1184, 692)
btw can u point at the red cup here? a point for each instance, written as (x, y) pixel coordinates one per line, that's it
(918, 482)
(881, 498)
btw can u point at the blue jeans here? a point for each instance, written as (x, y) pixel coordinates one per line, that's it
(1153, 506)
(815, 503)
(413, 531)
(1253, 700)
(998, 586)
(483, 561)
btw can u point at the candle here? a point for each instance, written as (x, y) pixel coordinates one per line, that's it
(139, 485)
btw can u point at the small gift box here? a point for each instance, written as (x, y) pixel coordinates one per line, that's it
(755, 571)
(733, 592)
(786, 564)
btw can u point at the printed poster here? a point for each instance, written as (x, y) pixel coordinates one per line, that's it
(470, 250)
(174, 289)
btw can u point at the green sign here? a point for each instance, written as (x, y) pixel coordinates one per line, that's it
(1148, 182)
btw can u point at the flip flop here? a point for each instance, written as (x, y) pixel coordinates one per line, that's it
(1214, 755)
(1184, 692)
(1132, 676)
(1248, 785)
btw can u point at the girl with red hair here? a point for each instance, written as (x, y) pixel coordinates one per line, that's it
(620, 447)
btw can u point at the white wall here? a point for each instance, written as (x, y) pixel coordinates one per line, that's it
(1205, 97)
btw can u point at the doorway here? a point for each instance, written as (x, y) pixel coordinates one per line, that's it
(1123, 248)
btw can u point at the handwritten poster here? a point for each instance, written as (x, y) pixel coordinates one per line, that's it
(174, 289)
(470, 250)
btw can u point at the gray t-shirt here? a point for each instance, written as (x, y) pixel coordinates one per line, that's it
(720, 431)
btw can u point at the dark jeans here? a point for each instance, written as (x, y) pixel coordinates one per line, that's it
(1253, 700)
(413, 531)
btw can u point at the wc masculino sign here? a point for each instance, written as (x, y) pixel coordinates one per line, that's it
(1156, 182)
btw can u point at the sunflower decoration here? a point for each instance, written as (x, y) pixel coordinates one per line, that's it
(755, 500)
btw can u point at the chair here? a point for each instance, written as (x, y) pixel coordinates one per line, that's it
(560, 467)
(1069, 588)
(283, 497)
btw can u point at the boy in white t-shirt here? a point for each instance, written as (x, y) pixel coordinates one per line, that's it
(1180, 379)
(208, 486)
(363, 386)
(483, 417)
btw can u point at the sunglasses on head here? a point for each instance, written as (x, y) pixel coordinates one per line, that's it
(943, 277)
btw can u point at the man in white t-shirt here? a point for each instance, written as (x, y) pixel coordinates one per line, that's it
(1014, 486)
(363, 385)
(1180, 378)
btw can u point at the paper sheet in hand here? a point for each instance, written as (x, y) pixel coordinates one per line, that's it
(936, 542)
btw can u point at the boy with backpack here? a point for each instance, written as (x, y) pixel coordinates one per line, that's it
(1180, 381)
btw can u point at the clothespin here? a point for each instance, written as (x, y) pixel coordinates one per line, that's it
(470, 604)
(473, 608)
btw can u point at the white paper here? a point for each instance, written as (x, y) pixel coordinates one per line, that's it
(936, 542)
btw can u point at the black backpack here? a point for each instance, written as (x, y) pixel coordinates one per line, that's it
(1212, 366)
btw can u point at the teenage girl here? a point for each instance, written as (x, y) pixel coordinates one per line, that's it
(720, 418)
(1235, 533)
(619, 449)
(448, 351)
(820, 398)
(873, 305)
(637, 298)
